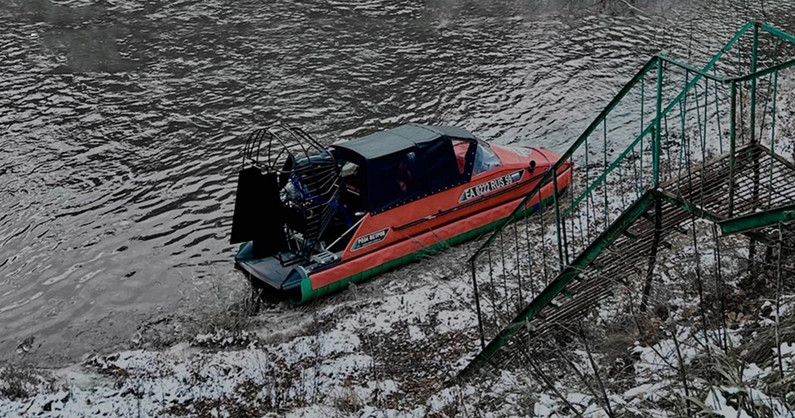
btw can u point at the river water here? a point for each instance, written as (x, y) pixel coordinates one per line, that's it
(122, 122)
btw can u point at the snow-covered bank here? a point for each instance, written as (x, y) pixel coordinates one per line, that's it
(391, 347)
(339, 356)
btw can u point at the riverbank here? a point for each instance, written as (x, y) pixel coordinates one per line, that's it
(393, 347)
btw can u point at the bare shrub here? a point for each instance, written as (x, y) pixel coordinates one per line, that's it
(220, 312)
(348, 402)
(729, 385)
(21, 382)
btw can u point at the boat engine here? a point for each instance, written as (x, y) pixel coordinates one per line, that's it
(288, 192)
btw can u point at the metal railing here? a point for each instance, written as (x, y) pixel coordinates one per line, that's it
(669, 120)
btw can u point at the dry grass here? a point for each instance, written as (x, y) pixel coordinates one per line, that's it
(219, 312)
(22, 382)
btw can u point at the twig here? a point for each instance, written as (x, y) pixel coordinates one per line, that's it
(682, 372)
(633, 7)
(596, 372)
(778, 305)
(540, 373)
(719, 287)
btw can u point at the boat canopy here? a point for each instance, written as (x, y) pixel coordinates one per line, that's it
(400, 139)
(406, 163)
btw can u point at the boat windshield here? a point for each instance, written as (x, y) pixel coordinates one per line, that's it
(485, 159)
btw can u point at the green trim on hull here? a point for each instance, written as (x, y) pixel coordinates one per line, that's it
(307, 293)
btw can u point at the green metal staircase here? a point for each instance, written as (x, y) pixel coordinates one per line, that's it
(677, 143)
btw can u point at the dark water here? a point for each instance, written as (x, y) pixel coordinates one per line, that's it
(121, 121)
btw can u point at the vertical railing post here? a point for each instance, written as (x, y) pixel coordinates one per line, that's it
(604, 148)
(656, 134)
(642, 125)
(772, 136)
(732, 144)
(477, 302)
(557, 219)
(754, 51)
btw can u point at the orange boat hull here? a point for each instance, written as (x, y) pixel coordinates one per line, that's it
(407, 240)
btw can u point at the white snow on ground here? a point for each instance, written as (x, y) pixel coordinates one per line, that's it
(718, 400)
(151, 381)
(787, 356)
(720, 406)
(319, 368)
(418, 302)
(647, 391)
(454, 321)
(657, 359)
(415, 333)
(545, 406)
(753, 372)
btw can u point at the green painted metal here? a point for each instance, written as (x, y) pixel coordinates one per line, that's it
(642, 124)
(604, 149)
(754, 57)
(699, 212)
(756, 220)
(652, 63)
(707, 215)
(648, 193)
(563, 279)
(662, 114)
(691, 68)
(725, 80)
(773, 131)
(555, 202)
(732, 144)
(776, 52)
(717, 117)
(762, 73)
(777, 32)
(607, 171)
(650, 128)
(657, 147)
(568, 154)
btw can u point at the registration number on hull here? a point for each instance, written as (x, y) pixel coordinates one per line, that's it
(491, 186)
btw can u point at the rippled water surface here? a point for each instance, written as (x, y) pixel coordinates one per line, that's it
(121, 121)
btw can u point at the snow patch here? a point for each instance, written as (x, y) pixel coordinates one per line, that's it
(454, 320)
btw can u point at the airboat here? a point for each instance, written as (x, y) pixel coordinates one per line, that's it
(312, 219)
